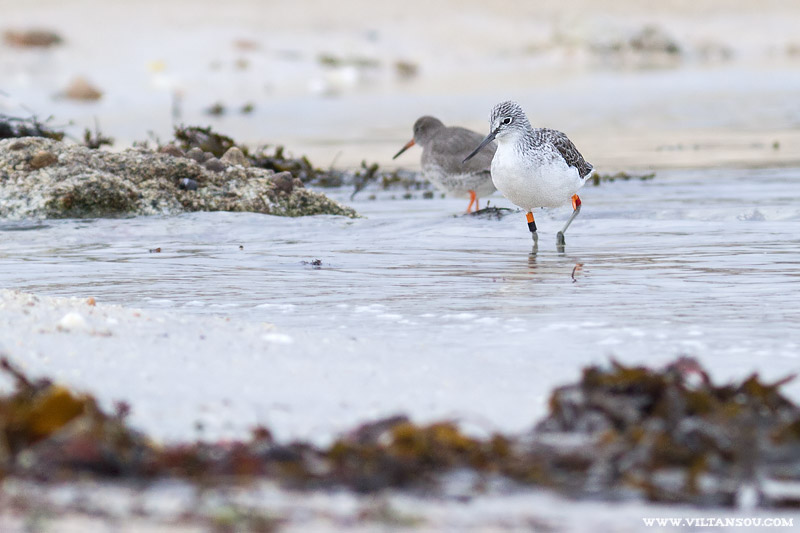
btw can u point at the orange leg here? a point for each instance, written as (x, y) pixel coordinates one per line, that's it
(473, 199)
(576, 208)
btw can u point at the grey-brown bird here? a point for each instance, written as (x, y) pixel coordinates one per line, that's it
(443, 150)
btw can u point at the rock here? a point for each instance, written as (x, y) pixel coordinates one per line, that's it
(89, 193)
(283, 182)
(215, 165)
(93, 183)
(172, 150)
(80, 89)
(197, 154)
(32, 38)
(297, 182)
(72, 321)
(42, 159)
(406, 69)
(234, 156)
(187, 184)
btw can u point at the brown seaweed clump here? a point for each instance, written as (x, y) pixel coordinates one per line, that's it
(621, 432)
(205, 143)
(189, 138)
(48, 432)
(675, 437)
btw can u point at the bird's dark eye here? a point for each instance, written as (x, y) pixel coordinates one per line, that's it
(507, 120)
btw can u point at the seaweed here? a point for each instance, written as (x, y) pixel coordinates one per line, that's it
(277, 159)
(668, 435)
(598, 178)
(205, 139)
(13, 127)
(96, 139)
(274, 158)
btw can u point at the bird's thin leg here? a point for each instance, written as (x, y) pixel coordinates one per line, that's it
(473, 198)
(576, 208)
(532, 228)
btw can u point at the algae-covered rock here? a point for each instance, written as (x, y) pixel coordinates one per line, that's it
(46, 178)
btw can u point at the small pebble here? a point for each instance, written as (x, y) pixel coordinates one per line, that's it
(187, 184)
(215, 165)
(278, 338)
(197, 154)
(172, 150)
(283, 182)
(42, 159)
(81, 89)
(234, 156)
(406, 69)
(72, 321)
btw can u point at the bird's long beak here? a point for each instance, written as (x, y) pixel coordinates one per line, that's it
(408, 145)
(489, 138)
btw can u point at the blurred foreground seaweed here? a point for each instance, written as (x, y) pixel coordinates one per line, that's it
(621, 432)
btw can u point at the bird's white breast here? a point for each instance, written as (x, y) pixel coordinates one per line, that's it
(534, 178)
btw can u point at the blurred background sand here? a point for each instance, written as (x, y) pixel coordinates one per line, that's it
(679, 83)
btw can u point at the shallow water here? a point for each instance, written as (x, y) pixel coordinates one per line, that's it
(416, 310)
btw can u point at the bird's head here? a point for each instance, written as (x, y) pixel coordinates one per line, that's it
(507, 122)
(425, 128)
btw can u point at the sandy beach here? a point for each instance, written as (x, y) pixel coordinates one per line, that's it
(326, 82)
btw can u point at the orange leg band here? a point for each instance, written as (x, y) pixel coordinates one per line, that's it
(531, 223)
(576, 201)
